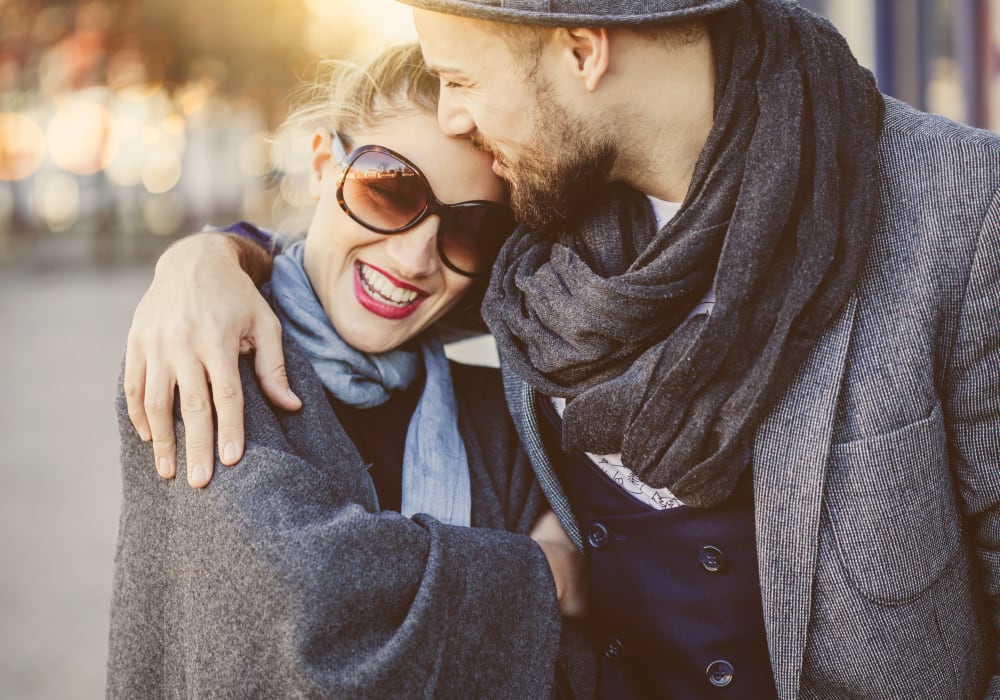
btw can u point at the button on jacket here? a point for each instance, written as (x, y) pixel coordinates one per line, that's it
(665, 625)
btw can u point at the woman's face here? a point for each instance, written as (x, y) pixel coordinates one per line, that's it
(381, 290)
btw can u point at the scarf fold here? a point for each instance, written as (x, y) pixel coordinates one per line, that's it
(778, 218)
(435, 465)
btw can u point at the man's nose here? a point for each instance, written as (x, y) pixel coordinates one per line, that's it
(454, 119)
(414, 252)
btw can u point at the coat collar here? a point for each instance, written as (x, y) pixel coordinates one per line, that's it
(521, 402)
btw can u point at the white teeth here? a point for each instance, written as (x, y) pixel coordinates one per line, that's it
(379, 285)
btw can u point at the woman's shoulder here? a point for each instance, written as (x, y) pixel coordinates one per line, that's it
(313, 432)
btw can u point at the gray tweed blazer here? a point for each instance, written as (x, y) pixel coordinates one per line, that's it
(281, 579)
(877, 475)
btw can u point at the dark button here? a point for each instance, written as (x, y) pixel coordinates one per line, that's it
(720, 673)
(598, 536)
(712, 559)
(614, 648)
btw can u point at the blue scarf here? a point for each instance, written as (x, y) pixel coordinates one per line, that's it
(435, 465)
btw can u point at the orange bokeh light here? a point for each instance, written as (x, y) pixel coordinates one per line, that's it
(22, 146)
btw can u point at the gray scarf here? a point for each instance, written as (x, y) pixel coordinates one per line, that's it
(778, 216)
(435, 465)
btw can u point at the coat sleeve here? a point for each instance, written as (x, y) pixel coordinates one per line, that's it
(973, 412)
(278, 580)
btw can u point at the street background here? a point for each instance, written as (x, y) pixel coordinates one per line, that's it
(125, 124)
(63, 334)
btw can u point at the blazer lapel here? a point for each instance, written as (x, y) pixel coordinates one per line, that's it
(791, 450)
(521, 403)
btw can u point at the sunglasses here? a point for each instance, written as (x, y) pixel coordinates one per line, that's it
(386, 193)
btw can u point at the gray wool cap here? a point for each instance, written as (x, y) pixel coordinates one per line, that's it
(563, 13)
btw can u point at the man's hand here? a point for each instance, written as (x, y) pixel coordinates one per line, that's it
(566, 562)
(200, 312)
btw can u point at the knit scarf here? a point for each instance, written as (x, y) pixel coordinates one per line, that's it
(435, 465)
(778, 217)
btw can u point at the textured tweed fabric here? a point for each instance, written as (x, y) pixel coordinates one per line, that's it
(281, 578)
(877, 475)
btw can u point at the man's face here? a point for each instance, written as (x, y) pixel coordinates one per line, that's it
(509, 106)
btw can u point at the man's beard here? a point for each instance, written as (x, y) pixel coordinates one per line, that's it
(549, 194)
(558, 172)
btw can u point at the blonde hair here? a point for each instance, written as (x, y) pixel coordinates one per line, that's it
(347, 97)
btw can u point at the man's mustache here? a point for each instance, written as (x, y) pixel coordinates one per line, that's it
(483, 145)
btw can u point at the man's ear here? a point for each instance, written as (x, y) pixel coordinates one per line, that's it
(322, 156)
(588, 49)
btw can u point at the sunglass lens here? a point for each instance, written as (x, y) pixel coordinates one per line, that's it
(474, 235)
(384, 192)
(388, 195)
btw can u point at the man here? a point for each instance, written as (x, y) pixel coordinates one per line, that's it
(771, 419)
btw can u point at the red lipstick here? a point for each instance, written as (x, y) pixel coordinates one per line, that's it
(379, 305)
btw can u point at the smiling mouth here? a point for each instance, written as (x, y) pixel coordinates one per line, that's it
(383, 295)
(384, 289)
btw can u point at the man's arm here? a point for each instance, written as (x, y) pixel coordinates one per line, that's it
(201, 311)
(973, 410)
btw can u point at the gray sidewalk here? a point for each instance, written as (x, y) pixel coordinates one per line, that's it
(62, 334)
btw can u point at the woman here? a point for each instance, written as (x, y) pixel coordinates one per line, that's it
(337, 559)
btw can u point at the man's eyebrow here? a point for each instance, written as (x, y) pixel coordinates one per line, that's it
(438, 71)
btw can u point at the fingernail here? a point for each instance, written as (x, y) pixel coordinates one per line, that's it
(292, 396)
(163, 468)
(144, 435)
(229, 452)
(199, 474)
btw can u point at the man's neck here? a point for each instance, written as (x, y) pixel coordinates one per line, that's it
(669, 116)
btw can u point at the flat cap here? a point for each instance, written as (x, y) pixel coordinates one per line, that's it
(565, 13)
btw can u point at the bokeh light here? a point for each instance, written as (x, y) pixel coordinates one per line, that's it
(146, 117)
(56, 198)
(161, 170)
(22, 146)
(78, 134)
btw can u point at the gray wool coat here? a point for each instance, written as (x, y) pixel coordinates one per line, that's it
(282, 580)
(877, 475)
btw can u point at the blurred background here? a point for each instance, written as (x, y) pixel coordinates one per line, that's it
(125, 124)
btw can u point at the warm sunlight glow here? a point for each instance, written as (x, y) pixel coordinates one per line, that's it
(370, 26)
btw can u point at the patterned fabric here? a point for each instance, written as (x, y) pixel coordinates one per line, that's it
(612, 467)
